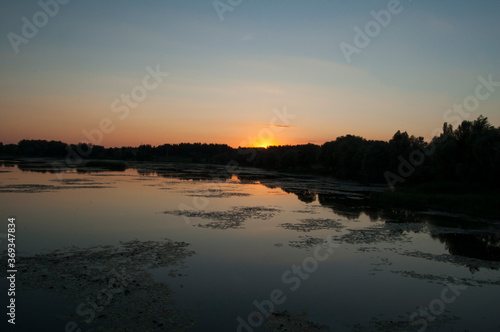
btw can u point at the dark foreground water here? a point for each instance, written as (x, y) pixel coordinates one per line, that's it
(193, 248)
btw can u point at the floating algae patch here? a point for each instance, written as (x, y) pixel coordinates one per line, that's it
(382, 262)
(279, 321)
(472, 263)
(308, 210)
(230, 219)
(374, 235)
(368, 249)
(28, 188)
(307, 242)
(40, 188)
(445, 280)
(215, 193)
(80, 183)
(76, 181)
(170, 182)
(313, 224)
(112, 285)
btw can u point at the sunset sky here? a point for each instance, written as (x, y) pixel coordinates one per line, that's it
(228, 78)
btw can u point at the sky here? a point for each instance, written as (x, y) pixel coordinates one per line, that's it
(243, 72)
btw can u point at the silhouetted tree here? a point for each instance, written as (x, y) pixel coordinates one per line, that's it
(467, 154)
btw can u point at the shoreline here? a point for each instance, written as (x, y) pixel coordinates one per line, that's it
(448, 197)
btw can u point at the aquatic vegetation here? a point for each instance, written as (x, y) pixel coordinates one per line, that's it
(119, 286)
(281, 321)
(230, 219)
(112, 285)
(39, 188)
(444, 279)
(309, 210)
(312, 224)
(388, 233)
(215, 193)
(307, 242)
(28, 188)
(472, 263)
(79, 182)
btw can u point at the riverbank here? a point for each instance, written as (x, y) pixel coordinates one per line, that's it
(472, 200)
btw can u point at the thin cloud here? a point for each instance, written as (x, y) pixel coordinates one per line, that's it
(277, 126)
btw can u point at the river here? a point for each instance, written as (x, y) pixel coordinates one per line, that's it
(173, 247)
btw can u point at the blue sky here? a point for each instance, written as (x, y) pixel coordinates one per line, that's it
(226, 77)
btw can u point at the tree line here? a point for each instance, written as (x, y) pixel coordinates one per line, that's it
(469, 153)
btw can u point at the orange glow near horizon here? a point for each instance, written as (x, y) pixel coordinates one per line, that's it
(263, 144)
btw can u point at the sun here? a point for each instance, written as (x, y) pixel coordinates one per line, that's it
(264, 144)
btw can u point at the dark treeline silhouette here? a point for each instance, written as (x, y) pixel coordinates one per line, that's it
(468, 154)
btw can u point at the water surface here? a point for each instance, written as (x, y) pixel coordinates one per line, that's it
(178, 247)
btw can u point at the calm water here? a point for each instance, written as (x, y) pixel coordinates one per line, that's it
(238, 242)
